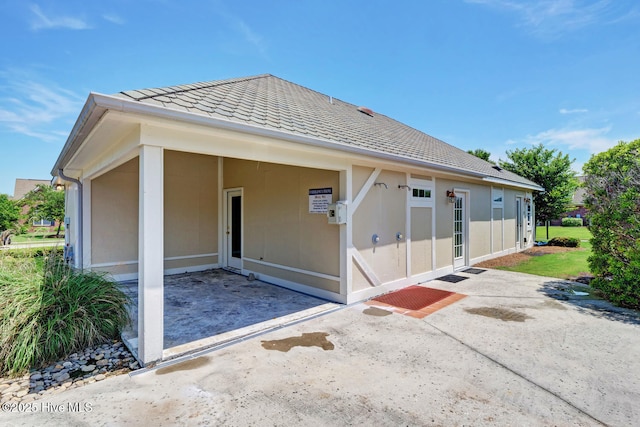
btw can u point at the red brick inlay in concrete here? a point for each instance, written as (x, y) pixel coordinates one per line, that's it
(413, 297)
(421, 312)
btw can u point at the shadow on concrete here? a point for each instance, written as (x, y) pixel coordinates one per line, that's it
(572, 293)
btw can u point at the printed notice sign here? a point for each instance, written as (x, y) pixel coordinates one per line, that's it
(319, 199)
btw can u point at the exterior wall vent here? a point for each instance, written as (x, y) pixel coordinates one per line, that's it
(365, 110)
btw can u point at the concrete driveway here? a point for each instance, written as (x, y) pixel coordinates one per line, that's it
(507, 354)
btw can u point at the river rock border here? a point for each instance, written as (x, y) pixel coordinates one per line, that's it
(86, 367)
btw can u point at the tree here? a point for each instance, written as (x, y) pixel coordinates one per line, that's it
(612, 187)
(9, 213)
(46, 203)
(483, 154)
(549, 170)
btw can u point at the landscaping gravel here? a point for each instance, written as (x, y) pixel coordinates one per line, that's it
(86, 367)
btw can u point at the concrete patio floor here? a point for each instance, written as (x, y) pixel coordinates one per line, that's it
(207, 308)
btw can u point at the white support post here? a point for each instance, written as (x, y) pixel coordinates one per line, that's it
(86, 224)
(346, 233)
(221, 231)
(407, 225)
(151, 255)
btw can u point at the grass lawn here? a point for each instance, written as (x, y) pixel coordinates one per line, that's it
(38, 237)
(581, 233)
(564, 265)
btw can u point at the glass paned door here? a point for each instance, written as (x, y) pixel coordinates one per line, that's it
(459, 232)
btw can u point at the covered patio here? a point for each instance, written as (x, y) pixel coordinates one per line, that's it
(209, 308)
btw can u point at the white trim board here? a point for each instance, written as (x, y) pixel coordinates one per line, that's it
(132, 262)
(295, 270)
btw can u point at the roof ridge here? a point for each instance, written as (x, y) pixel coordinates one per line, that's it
(200, 85)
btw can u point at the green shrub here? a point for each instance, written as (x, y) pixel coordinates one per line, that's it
(572, 222)
(49, 310)
(567, 242)
(612, 186)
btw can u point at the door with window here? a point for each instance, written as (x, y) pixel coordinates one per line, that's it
(460, 231)
(519, 224)
(233, 226)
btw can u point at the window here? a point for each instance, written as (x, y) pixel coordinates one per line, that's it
(497, 197)
(43, 223)
(421, 193)
(421, 190)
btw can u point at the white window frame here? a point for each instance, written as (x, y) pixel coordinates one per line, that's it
(497, 193)
(421, 184)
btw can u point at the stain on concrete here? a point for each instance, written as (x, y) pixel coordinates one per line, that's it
(375, 311)
(312, 339)
(187, 365)
(553, 304)
(503, 314)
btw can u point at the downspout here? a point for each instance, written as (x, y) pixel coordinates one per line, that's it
(78, 250)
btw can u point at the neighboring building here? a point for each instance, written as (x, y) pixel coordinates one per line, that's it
(578, 209)
(21, 189)
(23, 186)
(238, 173)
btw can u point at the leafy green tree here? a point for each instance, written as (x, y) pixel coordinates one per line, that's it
(46, 203)
(612, 187)
(551, 170)
(483, 154)
(9, 213)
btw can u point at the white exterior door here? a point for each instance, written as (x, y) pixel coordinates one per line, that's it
(519, 224)
(460, 231)
(233, 236)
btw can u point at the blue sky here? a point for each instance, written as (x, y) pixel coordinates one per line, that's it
(491, 74)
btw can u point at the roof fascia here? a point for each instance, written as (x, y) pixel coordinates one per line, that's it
(492, 180)
(89, 115)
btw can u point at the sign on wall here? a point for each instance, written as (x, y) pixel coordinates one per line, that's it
(319, 199)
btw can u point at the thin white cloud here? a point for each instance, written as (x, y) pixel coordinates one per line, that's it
(550, 19)
(113, 18)
(242, 31)
(35, 109)
(573, 111)
(593, 140)
(50, 22)
(249, 35)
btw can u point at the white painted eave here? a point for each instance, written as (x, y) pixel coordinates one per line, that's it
(512, 183)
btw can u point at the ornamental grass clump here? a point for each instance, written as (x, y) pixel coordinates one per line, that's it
(49, 310)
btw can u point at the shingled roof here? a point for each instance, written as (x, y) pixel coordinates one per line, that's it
(273, 103)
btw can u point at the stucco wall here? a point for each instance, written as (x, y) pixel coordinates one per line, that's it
(497, 230)
(480, 219)
(359, 177)
(510, 218)
(444, 224)
(114, 215)
(71, 211)
(421, 232)
(190, 213)
(190, 206)
(278, 227)
(383, 212)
